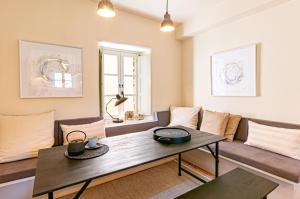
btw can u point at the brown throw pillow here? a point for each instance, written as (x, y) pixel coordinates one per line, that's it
(214, 122)
(232, 126)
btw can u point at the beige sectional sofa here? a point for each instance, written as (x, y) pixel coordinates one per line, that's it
(26, 168)
(273, 163)
(269, 162)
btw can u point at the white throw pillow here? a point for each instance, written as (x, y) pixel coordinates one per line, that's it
(91, 129)
(21, 136)
(184, 116)
(279, 140)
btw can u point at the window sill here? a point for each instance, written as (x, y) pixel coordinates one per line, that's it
(109, 123)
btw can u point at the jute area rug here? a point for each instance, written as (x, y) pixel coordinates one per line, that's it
(161, 182)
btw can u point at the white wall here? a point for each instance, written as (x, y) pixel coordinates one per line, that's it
(277, 31)
(75, 23)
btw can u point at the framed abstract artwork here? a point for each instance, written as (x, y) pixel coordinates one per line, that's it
(48, 70)
(233, 73)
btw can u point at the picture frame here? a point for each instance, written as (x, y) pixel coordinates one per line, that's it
(129, 115)
(233, 72)
(50, 70)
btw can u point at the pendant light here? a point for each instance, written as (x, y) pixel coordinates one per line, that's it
(167, 24)
(106, 9)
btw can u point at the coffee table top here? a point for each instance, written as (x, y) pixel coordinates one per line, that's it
(236, 184)
(54, 171)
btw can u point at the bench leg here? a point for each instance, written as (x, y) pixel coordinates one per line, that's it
(50, 195)
(217, 160)
(179, 164)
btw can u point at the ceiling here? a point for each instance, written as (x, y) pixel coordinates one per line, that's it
(180, 10)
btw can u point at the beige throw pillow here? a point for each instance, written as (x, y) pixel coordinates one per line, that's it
(214, 122)
(184, 116)
(21, 136)
(279, 140)
(232, 126)
(92, 129)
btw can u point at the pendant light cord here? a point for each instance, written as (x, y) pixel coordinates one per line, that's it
(167, 6)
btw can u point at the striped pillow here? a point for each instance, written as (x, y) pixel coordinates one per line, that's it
(279, 140)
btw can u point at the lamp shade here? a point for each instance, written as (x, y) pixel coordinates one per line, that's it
(106, 9)
(120, 100)
(167, 25)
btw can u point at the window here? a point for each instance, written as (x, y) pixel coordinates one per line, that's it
(120, 76)
(125, 69)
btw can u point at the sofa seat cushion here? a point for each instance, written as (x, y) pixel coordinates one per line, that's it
(276, 164)
(17, 170)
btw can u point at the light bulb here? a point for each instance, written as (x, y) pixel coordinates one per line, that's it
(167, 28)
(106, 9)
(106, 13)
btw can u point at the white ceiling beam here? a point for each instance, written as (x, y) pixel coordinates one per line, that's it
(226, 12)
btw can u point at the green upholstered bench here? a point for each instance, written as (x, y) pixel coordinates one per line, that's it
(236, 184)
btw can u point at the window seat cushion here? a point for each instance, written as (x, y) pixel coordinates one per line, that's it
(17, 170)
(273, 163)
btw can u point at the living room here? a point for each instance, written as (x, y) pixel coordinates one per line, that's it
(213, 69)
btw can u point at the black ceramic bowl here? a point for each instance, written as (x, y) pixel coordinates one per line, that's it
(171, 135)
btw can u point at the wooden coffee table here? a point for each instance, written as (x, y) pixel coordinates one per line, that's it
(54, 171)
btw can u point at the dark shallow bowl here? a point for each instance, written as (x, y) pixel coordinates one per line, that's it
(171, 135)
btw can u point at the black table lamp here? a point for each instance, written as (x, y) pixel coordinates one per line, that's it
(120, 100)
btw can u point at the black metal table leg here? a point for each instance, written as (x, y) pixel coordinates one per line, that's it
(50, 195)
(217, 160)
(193, 175)
(179, 164)
(86, 184)
(215, 154)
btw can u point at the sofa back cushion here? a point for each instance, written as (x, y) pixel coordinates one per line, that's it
(279, 140)
(21, 136)
(242, 131)
(163, 117)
